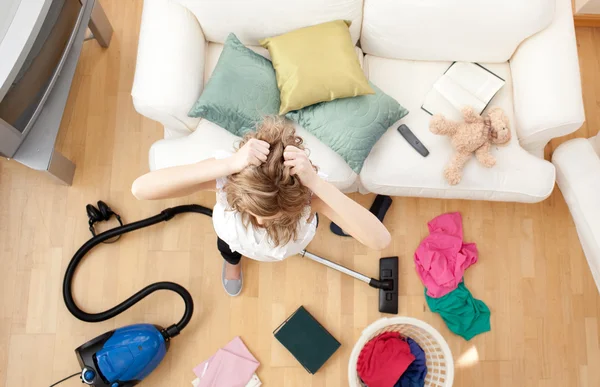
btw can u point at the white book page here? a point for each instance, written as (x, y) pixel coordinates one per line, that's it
(476, 80)
(457, 95)
(253, 382)
(435, 103)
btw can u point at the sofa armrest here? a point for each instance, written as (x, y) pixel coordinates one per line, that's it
(578, 177)
(547, 86)
(596, 143)
(169, 74)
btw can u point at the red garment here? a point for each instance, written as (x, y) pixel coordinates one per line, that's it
(383, 360)
(442, 258)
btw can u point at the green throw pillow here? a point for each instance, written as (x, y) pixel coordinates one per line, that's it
(351, 126)
(241, 90)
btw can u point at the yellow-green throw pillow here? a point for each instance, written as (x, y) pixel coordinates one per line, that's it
(316, 64)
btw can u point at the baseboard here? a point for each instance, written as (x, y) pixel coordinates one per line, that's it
(587, 20)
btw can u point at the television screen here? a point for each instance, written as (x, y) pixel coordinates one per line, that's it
(20, 105)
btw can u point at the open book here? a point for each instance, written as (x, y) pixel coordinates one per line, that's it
(463, 84)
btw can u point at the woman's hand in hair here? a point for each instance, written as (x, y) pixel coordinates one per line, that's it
(254, 152)
(300, 165)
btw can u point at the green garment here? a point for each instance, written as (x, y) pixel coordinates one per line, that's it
(464, 315)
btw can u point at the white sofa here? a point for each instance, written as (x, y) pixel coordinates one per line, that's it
(578, 175)
(405, 45)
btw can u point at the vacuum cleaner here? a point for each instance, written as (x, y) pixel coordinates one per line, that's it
(125, 356)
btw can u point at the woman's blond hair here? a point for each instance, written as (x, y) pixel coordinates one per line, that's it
(269, 190)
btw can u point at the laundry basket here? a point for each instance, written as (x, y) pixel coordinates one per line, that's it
(440, 366)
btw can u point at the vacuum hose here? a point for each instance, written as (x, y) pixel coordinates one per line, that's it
(164, 216)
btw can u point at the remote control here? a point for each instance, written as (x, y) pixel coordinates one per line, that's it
(410, 137)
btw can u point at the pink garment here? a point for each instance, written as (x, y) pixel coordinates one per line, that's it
(442, 258)
(231, 366)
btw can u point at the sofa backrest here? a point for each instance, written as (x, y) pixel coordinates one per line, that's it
(448, 30)
(252, 20)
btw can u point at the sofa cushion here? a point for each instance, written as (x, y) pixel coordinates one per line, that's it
(255, 20)
(394, 168)
(209, 137)
(316, 64)
(240, 92)
(351, 126)
(463, 30)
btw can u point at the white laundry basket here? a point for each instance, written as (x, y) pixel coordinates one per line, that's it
(440, 366)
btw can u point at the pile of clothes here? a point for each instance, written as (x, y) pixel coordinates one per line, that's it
(390, 360)
(441, 260)
(232, 366)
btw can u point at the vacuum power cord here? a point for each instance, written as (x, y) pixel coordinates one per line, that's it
(164, 216)
(65, 379)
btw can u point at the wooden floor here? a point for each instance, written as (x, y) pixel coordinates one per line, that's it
(532, 272)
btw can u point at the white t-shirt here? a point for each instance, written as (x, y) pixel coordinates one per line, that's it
(255, 242)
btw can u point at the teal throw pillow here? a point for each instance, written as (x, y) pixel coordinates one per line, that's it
(241, 90)
(351, 126)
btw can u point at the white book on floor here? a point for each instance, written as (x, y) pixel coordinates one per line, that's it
(463, 84)
(253, 382)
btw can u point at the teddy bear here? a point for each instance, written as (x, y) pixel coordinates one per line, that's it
(474, 134)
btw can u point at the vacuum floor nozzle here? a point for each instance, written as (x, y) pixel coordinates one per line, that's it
(388, 294)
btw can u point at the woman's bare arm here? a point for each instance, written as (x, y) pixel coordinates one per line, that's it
(187, 179)
(180, 181)
(353, 218)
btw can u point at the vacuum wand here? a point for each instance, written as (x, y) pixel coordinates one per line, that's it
(387, 282)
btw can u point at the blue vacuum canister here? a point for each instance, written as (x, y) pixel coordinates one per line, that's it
(123, 357)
